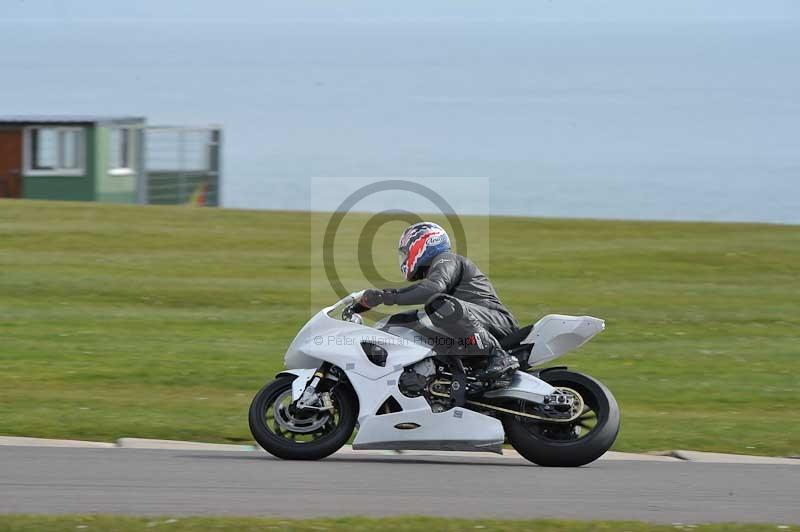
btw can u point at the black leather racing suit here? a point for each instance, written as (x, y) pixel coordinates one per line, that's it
(459, 299)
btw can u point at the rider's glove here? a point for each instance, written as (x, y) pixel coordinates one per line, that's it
(372, 298)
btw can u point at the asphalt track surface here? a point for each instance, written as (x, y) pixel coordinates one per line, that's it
(168, 482)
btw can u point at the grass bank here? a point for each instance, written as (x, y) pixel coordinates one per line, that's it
(163, 321)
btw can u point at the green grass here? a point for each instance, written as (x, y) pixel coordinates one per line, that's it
(164, 321)
(34, 523)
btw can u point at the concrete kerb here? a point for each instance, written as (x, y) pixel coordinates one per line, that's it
(674, 456)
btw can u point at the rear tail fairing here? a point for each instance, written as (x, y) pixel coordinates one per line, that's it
(557, 334)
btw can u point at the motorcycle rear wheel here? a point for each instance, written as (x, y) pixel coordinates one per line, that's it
(572, 444)
(292, 434)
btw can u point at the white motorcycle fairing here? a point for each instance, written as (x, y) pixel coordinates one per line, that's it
(556, 334)
(326, 339)
(416, 426)
(457, 429)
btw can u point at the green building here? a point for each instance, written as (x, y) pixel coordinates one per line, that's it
(108, 159)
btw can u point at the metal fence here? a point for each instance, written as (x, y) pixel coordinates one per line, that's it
(182, 166)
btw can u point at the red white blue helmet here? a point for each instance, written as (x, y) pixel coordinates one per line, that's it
(419, 244)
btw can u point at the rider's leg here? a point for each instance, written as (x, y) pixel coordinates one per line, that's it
(473, 339)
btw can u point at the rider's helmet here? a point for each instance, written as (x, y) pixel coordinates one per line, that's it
(419, 244)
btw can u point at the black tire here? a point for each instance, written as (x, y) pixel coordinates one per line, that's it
(276, 443)
(557, 445)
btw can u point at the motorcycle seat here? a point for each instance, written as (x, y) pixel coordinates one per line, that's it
(512, 340)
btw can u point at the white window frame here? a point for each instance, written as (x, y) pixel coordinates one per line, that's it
(28, 154)
(130, 169)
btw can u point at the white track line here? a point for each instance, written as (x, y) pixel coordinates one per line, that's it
(720, 458)
(43, 442)
(143, 443)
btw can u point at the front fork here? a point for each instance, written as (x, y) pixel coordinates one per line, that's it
(312, 400)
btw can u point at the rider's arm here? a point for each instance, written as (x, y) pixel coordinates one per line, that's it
(442, 275)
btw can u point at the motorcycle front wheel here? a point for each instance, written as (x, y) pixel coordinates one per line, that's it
(571, 444)
(290, 433)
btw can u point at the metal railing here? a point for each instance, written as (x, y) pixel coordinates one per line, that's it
(182, 165)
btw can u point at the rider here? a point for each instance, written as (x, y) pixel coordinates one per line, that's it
(458, 297)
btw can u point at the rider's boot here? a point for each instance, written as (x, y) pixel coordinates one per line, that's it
(499, 367)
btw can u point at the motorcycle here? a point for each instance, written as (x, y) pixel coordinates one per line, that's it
(388, 381)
